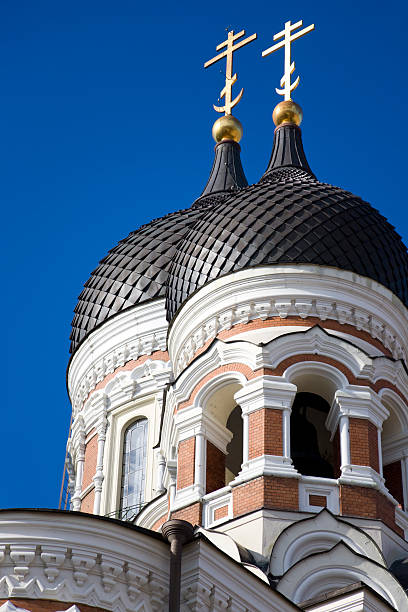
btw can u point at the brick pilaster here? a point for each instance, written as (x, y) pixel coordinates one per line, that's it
(215, 474)
(363, 443)
(271, 492)
(185, 463)
(265, 433)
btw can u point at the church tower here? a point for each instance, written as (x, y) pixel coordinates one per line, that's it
(240, 367)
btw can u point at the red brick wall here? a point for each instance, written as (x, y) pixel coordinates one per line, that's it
(91, 455)
(87, 503)
(393, 480)
(265, 433)
(215, 476)
(318, 500)
(363, 443)
(221, 513)
(192, 514)
(185, 463)
(270, 492)
(369, 503)
(45, 605)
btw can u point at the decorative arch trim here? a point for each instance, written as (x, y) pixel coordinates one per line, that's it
(317, 534)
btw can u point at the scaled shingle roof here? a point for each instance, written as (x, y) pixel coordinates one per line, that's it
(287, 217)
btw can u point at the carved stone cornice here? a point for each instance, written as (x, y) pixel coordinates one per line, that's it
(285, 291)
(134, 333)
(100, 563)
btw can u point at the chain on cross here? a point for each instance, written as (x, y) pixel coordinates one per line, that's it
(230, 78)
(285, 83)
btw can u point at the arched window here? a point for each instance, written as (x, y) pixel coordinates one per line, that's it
(311, 449)
(233, 459)
(133, 469)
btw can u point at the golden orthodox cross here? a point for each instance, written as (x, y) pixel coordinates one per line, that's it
(289, 66)
(230, 79)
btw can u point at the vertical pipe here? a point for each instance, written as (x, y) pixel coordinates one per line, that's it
(176, 532)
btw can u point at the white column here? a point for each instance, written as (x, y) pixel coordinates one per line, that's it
(358, 402)
(380, 457)
(404, 474)
(200, 462)
(98, 478)
(344, 441)
(266, 393)
(245, 438)
(76, 500)
(286, 432)
(161, 465)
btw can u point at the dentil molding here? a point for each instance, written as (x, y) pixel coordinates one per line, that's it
(281, 291)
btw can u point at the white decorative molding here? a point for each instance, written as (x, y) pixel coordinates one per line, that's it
(292, 290)
(89, 560)
(212, 581)
(152, 512)
(337, 568)
(8, 606)
(316, 534)
(213, 502)
(326, 487)
(265, 465)
(357, 402)
(136, 332)
(362, 600)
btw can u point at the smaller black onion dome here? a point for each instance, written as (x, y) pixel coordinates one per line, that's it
(136, 270)
(133, 272)
(288, 217)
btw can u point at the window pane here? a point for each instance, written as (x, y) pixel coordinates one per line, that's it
(134, 469)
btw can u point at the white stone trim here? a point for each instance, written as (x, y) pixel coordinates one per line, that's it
(357, 402)
(284, 290)
(265, 465)
(273, 392)
(212, 502)
(152, 512)
(66, 557)
(316, 534)
(361, 601)
(337, 568)
(313, 485)
(129, 335)
(211, 581)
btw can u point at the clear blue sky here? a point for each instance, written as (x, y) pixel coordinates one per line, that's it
(106, 115)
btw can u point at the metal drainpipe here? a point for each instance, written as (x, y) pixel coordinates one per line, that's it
(177, 532)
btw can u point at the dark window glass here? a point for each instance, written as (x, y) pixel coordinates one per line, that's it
(133, 469)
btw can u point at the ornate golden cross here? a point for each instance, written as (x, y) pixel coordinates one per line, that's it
(289, 66)
(230, 79)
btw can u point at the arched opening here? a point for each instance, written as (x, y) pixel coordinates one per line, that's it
(133, 469)
(394, 436)
(224, 467)
(233, 459)
(311, 449)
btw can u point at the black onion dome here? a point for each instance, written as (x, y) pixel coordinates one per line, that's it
(133, 272)
(288, 217)
(136, 270)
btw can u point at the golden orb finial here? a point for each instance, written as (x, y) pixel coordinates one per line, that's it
(287, 111)
(227, 128)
